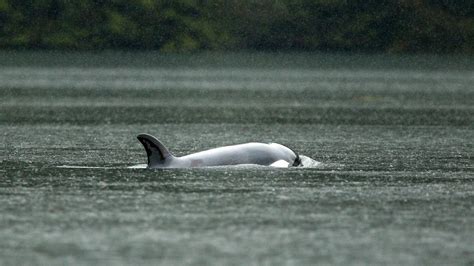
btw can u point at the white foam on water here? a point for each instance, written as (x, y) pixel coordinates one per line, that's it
(308, 162)
(87, 167)
(138, 166)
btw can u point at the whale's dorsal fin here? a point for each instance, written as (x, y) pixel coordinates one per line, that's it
(157, 153)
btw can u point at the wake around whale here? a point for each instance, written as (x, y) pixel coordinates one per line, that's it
(272, 154)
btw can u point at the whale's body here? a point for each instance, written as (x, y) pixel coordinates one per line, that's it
(272, 154)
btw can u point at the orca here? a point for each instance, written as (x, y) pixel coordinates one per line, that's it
(272, 154)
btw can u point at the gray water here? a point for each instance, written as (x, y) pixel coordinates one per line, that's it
(394, 135)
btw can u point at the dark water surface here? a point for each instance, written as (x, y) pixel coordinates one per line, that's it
(395, 135)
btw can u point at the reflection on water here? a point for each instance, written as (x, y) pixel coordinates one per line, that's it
(230, 78)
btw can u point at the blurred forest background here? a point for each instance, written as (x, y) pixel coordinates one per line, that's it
(398, 26)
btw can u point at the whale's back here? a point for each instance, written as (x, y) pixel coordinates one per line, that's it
(249, 153)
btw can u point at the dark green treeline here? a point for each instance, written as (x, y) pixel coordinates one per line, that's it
(431, 26)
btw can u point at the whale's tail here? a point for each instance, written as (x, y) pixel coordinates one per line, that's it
(158, 154)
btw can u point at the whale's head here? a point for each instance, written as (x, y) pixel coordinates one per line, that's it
(290, 156)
